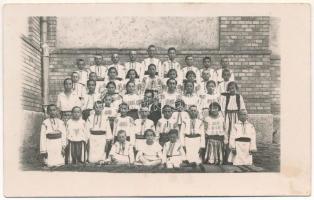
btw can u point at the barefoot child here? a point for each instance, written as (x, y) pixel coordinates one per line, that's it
(216, 137)
(173, 154)
(150, 153)
(121, 151)
(100, 134)
(242, 141)
(53, 138)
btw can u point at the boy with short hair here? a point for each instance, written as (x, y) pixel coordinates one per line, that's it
(53, 138)
(171, 63)
(151, 51)
(223, 65)
(242, 141)
(194, 139)
(117, 65)
(100, 134)
(78, 88)
(190, 67)
(82, 71)
(90, 98)
(92, 76)
(222, 87)
(165, 124)
(98, 68)
(132, 64)
(152, 82)
(141, 125)
(173, 153)
(77, 137)
(206, 66)
(121, 151)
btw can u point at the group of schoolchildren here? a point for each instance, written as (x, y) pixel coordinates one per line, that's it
(148, 113)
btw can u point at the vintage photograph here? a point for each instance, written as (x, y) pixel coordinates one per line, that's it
(147, 94)
(156, 99)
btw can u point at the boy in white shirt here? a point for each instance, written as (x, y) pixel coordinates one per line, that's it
(223, 65)
(132, 64)
(121, 152)
(242, 141)
(98, 68)
(151, 50)
(171, 63)
(100, 134)
(83, 72)
(53, 138)
(119, 67)
(189, 67)
(77, 138)
(173, 153)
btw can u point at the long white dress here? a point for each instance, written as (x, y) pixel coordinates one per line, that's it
(52, 139)
(100, 132)
(194, 140)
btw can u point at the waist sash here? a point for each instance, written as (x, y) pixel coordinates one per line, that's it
(243, 139)
(192, 135)
(52, 136)
(97, 132)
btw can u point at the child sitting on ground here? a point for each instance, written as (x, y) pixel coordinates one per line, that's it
(173, 153)
(149, 153)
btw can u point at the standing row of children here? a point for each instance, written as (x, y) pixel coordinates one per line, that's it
(149, 113)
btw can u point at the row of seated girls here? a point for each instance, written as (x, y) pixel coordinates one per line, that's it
(156, 114)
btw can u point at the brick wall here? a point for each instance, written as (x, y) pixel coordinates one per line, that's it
(243, 40)
(52, 32)
(31, 67)
(275, 86)
(244, 33)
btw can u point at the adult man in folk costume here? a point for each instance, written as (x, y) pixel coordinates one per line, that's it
(100, 134)
(242, 141)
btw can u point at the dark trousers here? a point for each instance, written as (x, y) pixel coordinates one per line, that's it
(76, 152)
